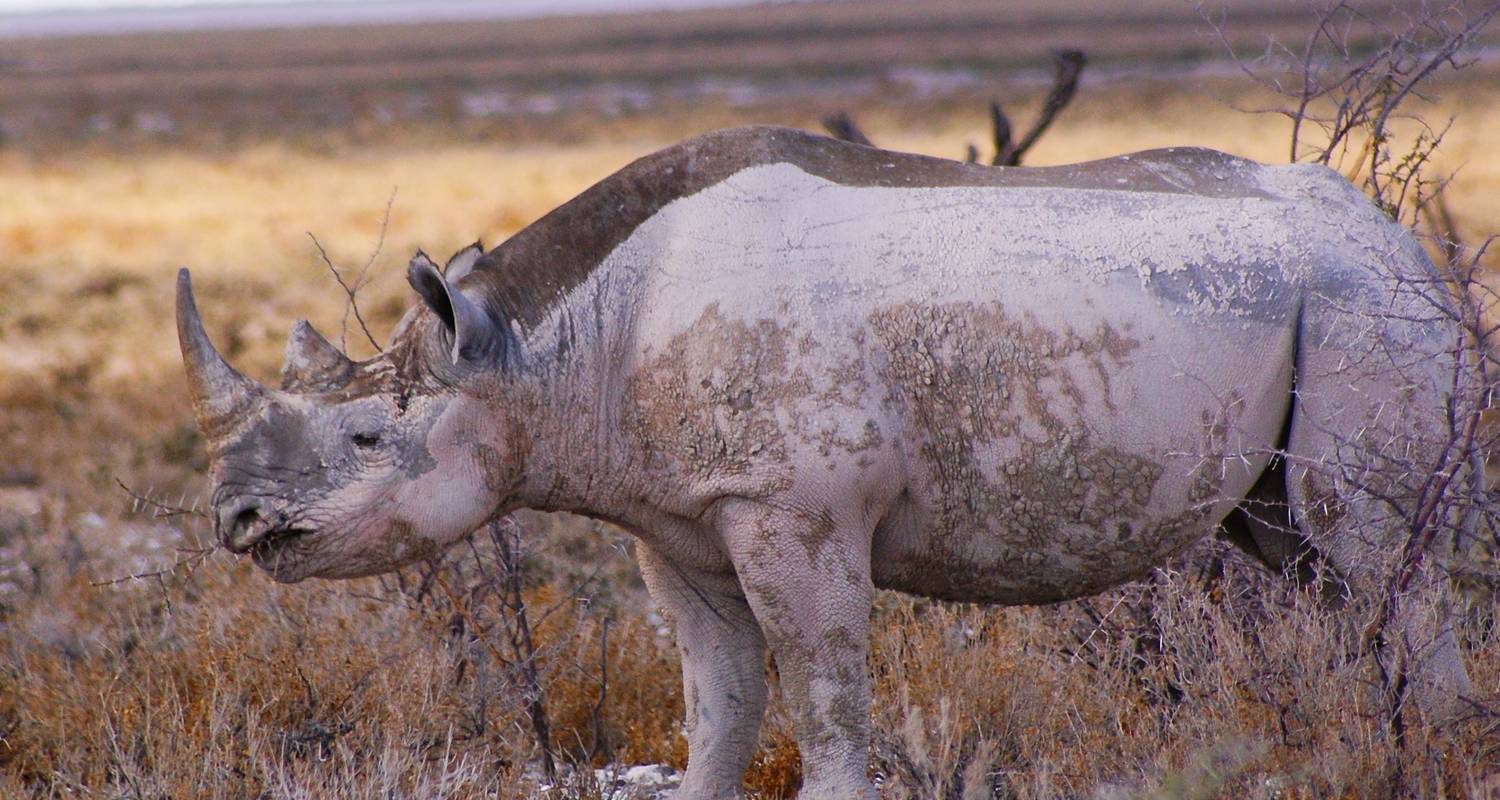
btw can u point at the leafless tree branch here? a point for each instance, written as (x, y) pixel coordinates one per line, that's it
(1067, 66)
(189, 561)
(159, 510)
(351, 292)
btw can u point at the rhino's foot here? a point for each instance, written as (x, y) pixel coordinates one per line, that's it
(1434, 667)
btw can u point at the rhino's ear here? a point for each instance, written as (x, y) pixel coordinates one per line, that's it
(462, 262)
(477, 338)
(311, 363)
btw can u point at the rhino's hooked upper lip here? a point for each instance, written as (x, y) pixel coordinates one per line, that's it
(262, 536)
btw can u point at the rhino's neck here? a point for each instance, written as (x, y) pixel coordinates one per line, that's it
(565, 391)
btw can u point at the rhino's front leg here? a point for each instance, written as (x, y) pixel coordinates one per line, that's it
(807, 576)
(723, 671)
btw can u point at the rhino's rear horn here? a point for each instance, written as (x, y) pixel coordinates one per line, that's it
(221, 396)
(477, 337)
(311, 363)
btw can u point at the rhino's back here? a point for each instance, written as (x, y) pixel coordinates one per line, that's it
(1179, 232)
(566, 249)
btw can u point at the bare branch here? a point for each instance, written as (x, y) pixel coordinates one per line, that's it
(159, 510)
(189, 561)
(1005, 149)
(1452, 240)
(507, 535)
(385, 223)
(596, 712)
(349, 291)
(1067, 65)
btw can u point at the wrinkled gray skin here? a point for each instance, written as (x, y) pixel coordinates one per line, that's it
(798, 370)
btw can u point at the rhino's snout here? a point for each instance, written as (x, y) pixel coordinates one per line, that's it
(242, 523)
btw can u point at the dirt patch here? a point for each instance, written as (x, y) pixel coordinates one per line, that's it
(968, 375)
(717, 397)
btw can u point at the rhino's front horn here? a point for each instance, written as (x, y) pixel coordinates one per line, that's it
(221, 396)
(311, 363)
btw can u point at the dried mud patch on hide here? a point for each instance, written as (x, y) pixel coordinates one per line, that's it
(718, 396)
(957, 360)
(1322, 510)
(969, 375)
(403, 545)
(492, 466)
(818, 531)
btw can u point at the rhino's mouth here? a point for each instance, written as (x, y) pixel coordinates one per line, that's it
(271, 546)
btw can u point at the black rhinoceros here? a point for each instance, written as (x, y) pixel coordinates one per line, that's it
(798, 370)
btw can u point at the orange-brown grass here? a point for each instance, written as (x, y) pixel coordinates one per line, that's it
(218, 683)
(1207, 696)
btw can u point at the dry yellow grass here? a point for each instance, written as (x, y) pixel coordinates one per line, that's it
(221, 684)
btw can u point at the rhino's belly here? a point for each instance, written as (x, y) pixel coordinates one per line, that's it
(1019, 544)
(1047, 460)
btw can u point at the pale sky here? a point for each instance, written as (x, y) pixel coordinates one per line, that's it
(29, 18)
(564, 6)
(78, 5)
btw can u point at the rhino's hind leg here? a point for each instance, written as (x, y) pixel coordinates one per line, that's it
(807, 576)
(1367, 437)
(723, 671)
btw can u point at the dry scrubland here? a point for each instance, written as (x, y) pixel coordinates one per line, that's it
(212, 681)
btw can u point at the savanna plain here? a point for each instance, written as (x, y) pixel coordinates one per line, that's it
(136, 661)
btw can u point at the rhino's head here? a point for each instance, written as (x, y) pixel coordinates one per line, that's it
(352, 468)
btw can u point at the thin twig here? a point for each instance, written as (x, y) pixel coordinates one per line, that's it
(385, 224)
(523, 646)
(1067, 65)
(159, 509)
(1000, 134)
(596, 713)
(194, 557)
(350, 292)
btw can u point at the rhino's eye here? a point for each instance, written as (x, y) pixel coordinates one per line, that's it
(365, 439)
